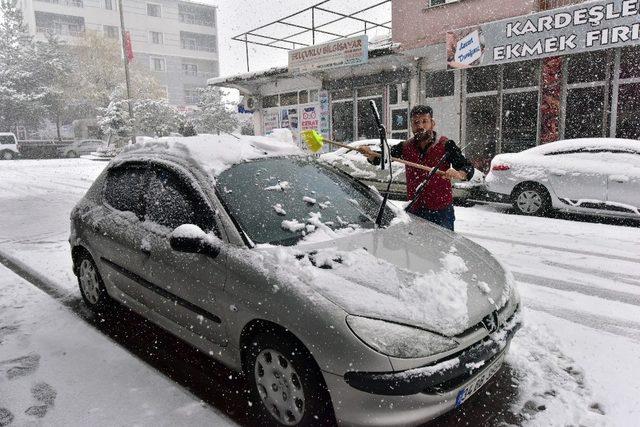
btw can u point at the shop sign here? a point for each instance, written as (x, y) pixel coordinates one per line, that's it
(579, 28)
(309, 118)
(270, 121)
(339, 53)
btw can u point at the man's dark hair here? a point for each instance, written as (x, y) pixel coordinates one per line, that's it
(421, 109)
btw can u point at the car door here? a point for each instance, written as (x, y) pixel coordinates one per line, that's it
(578, 177)
(88, 147)
(117, 235)
(623, 186)
(188, 286)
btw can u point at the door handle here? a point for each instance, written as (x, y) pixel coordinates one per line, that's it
(619, 178)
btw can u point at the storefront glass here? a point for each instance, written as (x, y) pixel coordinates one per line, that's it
(585, 109)
(482, 132)
(519, 121)
(367, 127)
(342, 120)
(521, 74)
(628, 125)
(483, 79)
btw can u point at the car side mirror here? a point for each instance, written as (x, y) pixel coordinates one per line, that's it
(190, 238)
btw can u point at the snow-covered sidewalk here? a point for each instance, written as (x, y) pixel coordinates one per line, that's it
(574, 362)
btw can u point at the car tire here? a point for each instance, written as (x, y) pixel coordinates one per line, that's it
(72, 154)
(7, 155)
(91, 285)
(287, 387)
(531, 199)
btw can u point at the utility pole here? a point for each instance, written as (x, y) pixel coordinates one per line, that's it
(126, 70)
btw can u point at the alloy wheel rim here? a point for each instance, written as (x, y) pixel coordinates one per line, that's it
(89, 281)
(279, 387)
(529, 201)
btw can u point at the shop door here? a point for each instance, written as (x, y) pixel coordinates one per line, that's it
(342, 121)
(367, 126)
(481, 130)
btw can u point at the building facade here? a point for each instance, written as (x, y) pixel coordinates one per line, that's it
(542, 97)
(176, 40)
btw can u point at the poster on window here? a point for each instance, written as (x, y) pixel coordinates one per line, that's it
(310, 119)
(289, 120)
(323, 98)
(270, 120)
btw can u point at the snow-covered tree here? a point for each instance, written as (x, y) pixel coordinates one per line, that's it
(186, 127)
(214, 115)
(21, 74)
(114, 120)
(155, 117)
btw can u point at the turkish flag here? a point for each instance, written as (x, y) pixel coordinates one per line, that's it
(128, 50)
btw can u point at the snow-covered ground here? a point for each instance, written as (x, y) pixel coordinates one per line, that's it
(574, 363)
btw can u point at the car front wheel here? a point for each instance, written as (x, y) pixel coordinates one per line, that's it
(531, 200)
(72, 154)
(286, 385)
(7, 155)
(91, 285)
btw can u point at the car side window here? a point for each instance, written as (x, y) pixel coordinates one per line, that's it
(125, 188)
(172, 202)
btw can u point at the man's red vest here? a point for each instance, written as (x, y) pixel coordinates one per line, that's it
(438, 193)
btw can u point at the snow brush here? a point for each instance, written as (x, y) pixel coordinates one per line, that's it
(315, 141)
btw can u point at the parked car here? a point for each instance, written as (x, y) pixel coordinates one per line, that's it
(356, 165)
(591, 176)
(269, 261)
(81, 147)
(8, 146)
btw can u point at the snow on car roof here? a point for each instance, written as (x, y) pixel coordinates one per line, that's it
(586, 143)
(217, 153)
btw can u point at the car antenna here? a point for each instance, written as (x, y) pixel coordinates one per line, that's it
(384, 147)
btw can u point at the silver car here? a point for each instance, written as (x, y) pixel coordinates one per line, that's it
(81, 148)
(274, 267)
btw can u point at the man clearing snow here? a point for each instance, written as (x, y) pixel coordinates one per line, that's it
(435, 203)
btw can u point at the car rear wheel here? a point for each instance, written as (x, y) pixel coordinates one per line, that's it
(91, 285)
(7, 155)
(72, 154)
(287, 387)
(531, 200)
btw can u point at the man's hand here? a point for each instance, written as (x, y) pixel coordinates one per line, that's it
(452, 174)
(368, 152)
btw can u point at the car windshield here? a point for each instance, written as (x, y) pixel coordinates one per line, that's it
(280, 200)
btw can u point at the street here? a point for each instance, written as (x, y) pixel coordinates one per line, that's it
(571, 364)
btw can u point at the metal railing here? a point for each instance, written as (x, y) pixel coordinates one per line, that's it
(74, 3)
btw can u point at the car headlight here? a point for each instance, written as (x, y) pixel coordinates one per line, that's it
(398, 340)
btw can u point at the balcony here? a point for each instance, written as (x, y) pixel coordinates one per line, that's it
(61, 31)
(72, 3)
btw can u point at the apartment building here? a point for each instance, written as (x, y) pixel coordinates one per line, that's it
(177, 40)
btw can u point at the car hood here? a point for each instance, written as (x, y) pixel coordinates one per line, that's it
(416, 274)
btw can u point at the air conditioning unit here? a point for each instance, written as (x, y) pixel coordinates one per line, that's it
(249, 102)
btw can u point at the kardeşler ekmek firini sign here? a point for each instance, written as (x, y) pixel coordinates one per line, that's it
(580, 28)
(349, 51)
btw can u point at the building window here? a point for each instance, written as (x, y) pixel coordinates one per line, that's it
(154, 10)
(290, 98)
(433, 3)
(158, 64)
(439, 83)
(190, 69)
(269, 101)
(189, 44)
(108, 4)
(111, 31)
(191, 96)
(156, 37)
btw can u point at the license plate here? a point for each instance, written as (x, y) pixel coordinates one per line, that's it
(481, 380)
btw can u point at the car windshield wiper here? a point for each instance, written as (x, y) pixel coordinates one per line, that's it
(384, 147)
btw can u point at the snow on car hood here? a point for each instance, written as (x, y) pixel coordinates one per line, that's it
(415, 274)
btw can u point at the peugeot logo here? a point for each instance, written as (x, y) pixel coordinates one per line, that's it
(490, 322)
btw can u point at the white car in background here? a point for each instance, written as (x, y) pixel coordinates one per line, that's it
(8, 146)
(598, 176)
(81, 148)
